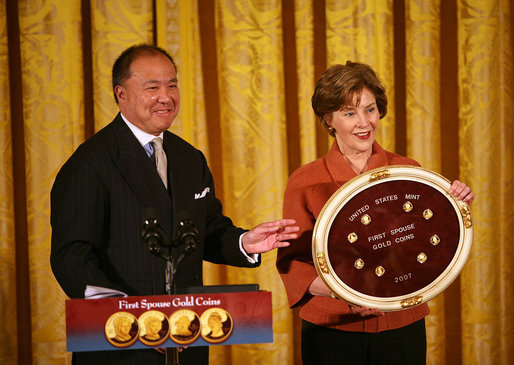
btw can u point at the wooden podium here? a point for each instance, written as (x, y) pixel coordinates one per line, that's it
(138, 322)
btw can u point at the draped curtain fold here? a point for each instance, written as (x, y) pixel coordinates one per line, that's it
(486, 159)
(246, 72)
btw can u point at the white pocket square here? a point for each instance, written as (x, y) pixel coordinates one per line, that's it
(203, 193)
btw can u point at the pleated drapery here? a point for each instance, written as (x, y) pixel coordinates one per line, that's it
(246, 74)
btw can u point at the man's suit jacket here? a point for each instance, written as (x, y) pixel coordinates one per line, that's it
(97, 203)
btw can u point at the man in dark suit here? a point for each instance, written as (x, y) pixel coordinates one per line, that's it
(100, 193)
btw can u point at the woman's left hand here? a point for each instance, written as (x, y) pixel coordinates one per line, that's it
(365, 311)
(462, 192)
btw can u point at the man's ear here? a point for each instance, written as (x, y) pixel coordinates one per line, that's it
(120, 92)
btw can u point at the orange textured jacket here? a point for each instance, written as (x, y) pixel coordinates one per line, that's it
(307, 191)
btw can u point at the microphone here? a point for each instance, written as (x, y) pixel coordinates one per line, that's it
(188, 235)
(153, 235)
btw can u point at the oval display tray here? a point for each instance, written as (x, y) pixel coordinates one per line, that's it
(392, 238)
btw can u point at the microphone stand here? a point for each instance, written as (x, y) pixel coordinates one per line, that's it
(171, 269)
(154, 240)
(170, 352)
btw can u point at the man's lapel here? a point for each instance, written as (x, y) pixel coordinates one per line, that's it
(177, 175)
(140, 172)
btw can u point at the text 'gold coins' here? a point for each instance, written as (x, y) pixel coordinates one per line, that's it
(407, 206)
(427, 214)
(422, 257)
(380, 271)
(366, 219)
(434, 240)
(352, 237)
(359, 264)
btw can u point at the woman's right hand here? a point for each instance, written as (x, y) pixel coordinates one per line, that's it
(318, 287)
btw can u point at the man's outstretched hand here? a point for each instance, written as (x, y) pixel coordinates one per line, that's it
(268, 236)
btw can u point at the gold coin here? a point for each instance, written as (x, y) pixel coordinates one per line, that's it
(352, 237)
(407, 206)
(121, 329)
(434, 240)
(422, 257)
(217, 325)
(184, 326)
(379, 271)
(155, 328)
(359, 264)
(366, 219)
(427, 214)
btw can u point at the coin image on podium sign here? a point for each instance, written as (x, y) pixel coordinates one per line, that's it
(184, 326)
(121, 329)
(392, 238)
(154, 328)
(217, 325)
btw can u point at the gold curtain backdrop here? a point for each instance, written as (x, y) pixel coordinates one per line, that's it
(246, 73)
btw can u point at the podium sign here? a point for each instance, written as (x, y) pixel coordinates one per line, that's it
(140, 322)
(392, 238)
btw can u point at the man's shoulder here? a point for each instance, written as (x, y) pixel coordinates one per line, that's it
(177, 146)
(100, 142)
(97, 148)
(178, 142)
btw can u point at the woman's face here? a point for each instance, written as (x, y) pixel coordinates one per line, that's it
(355, 125)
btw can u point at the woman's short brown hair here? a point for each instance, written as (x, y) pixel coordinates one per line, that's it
(337, 86)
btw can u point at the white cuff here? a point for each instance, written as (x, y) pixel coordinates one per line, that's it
(252, 258)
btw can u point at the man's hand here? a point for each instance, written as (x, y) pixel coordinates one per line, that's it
(268, 236)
